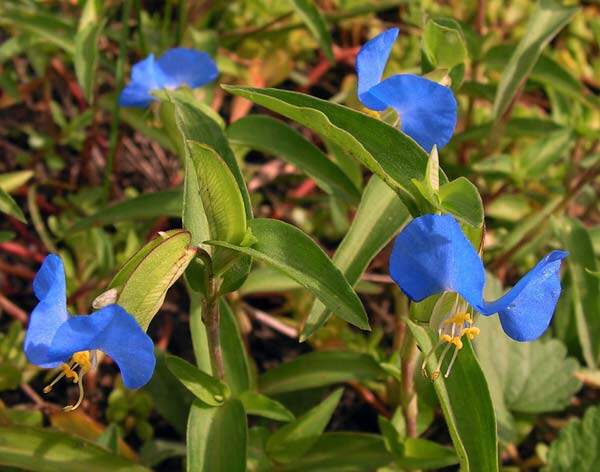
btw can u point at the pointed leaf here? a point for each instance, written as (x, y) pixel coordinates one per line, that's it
(343, 452)
(461, 198)
(319, 369)
(10, 207)
(548, 18)
(384, 150)
(216, 438)
(261, 405)
(86, 56)
(221, 198)
(291, 251)
(275, 137)
(380, 216)
(46, 450)
(314, 20)
(205, 387)
(444, 43)
(293, 440)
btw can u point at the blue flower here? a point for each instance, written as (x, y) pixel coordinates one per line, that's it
(55, 338)
(432, 255)
(176, 67)
(427, 109)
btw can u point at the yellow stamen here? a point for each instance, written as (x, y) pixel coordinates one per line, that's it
(471, 332)
(452, 361)
(457, 343)
(459, 318)
(82, 358)
(79, 400)
(70, 373)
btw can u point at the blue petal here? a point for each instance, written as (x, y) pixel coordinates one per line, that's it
(427, 109)
(432, 255)
(182, 66)
(370, 64)
(50, 289)
(135, 95)
(526, 310)
(115, 332)
(145, 76)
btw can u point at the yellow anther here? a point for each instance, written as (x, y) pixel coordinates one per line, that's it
(82, 358)
(457, 342)
(459, 319)
(446, 338)
(70, 373)
(471, 332)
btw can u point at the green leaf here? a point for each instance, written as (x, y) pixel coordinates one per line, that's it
(548, 18)
(314, 20)
(444, 43)
(51, 28)
(536, 158)
(145, 206)
(10, 181)
(10, 207)
(6, 236)
(143, 281)
(275, 137)
(221, 198)
(267, 279)
(585, 288)
(577, 447)
(261, 405)
(291, 251)
(86, 57)
(384, 150)
(155, 451)
(546, 71)
(47, 450)
(380, 216)
(193, 124)
(319, 369)
(170, 398)
(205, 387)
(545, 380)
(423, 454)
(216, 438)
(292, 441)
(235, 357)
(461, 198)
(190, 122)
(343, 452)
(464, 392)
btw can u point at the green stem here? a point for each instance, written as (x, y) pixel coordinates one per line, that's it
(409, 395)
(116, 118)
(211, 319)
